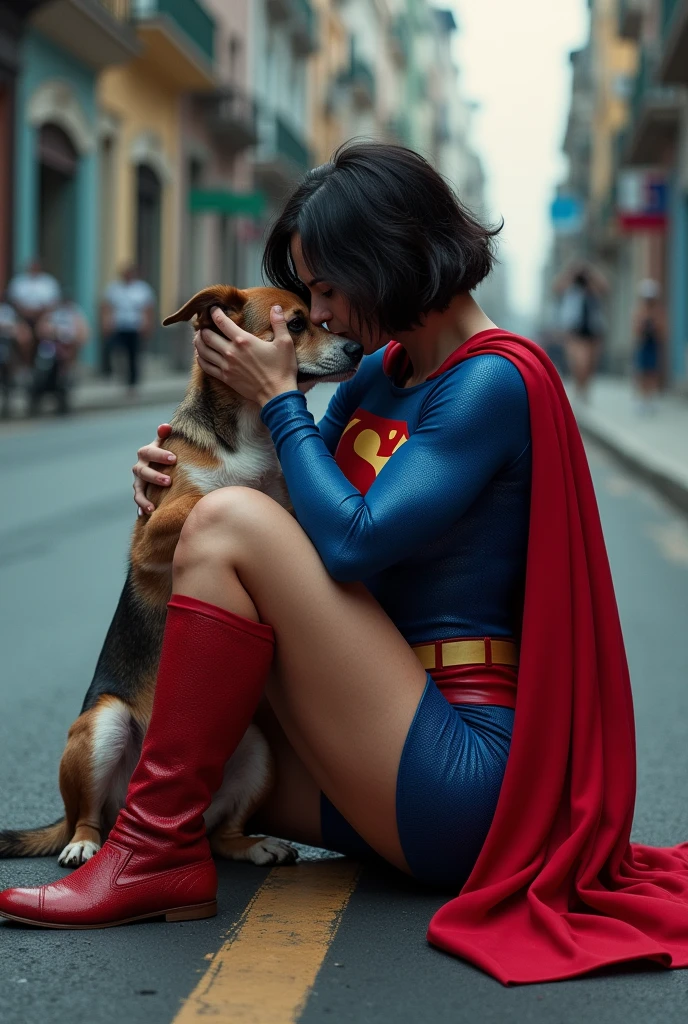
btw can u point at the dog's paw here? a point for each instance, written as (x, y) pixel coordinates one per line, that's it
(75, 854)
(271, 851)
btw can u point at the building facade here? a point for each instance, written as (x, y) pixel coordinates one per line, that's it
(167, 134)
(632, 172)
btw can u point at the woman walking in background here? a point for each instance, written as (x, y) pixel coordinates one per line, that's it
(581, 289)
(649, 335)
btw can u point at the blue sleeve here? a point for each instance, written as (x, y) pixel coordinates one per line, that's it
(473, 423)
(343, 402)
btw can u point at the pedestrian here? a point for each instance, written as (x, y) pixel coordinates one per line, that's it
(649, 333)
(127, 318)
(62, 332)
(580, 290)
(32, 293)
(415, 601)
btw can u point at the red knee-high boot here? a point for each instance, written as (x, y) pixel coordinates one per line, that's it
(213, 668)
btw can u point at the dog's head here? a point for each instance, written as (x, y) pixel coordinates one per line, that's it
(320, 355)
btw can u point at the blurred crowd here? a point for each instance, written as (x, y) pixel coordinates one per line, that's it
(43, 330)
(615, 288)
(577, 341)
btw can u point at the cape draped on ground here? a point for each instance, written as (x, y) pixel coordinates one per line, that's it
(558, 889)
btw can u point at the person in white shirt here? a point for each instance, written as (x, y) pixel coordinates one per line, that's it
(32, 293)
(127, 317)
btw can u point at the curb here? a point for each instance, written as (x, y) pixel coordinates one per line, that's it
(172, 392)
(665, 476)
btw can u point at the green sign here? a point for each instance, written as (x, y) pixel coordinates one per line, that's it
(219, 200)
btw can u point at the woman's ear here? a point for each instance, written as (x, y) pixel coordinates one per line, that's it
(231, 300)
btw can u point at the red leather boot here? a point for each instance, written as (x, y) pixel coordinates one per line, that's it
(157, 860)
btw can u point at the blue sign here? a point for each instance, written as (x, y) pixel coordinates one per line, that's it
(567, 215)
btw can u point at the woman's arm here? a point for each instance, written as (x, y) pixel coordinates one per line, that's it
(474, 423)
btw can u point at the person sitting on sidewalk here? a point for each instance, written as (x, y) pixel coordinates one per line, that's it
(649, 336)
(32, 293)
(61, 332)
(127, 318)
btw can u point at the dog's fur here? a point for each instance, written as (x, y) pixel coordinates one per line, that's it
(219, 440)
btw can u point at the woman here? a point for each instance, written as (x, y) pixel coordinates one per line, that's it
(649, 332)
(581, 290)
(379, 746)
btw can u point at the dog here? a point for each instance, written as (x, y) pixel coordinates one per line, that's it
(219, 440)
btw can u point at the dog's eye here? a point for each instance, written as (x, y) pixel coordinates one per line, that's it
(297, 325)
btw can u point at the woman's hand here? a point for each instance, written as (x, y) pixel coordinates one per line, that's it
(257, 369)
(144, 473)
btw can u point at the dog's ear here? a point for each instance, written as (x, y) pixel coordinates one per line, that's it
(231, 300)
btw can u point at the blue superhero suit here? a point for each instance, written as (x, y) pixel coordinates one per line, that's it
(423, 494)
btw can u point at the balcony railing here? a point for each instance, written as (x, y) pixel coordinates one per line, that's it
(232, 117)
(281, 157)
(97, 32)
(400, 38)
(668, 11)
(291, 147)
(674, 66)
(119, 9)
(360, 78)
(188, 15)
(305, 34)
(631, 15)
(655, 112)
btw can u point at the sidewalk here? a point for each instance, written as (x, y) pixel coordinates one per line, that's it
(158, 385)
(653, 445)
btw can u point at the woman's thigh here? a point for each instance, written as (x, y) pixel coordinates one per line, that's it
(346, 684)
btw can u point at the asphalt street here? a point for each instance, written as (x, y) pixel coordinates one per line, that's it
(65, 517)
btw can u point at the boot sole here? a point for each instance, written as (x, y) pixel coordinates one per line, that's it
(195, 913)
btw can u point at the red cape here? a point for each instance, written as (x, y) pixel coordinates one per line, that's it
(558, 889)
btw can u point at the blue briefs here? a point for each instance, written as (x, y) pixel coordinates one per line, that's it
(450, 775)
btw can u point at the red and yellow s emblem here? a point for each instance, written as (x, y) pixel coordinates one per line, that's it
(366, 445)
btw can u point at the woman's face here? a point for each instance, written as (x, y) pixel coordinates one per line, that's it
(329, 306)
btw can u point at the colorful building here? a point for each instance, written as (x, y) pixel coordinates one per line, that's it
(56, 170)
(140, 157)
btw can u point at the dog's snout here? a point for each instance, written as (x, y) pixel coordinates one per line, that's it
(354, 350)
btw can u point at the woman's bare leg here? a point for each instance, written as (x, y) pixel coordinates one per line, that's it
(346, 684)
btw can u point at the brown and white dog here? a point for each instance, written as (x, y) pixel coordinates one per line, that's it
(219, 440)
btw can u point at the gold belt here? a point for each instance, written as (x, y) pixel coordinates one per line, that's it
(447, 653)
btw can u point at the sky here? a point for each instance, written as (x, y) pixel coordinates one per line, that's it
(513, 55)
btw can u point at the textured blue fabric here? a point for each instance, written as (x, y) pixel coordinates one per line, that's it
(440, 537)
(450, 775)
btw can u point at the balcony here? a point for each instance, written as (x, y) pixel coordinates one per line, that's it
(359, 79)
(282, 157)
(631, 14)
(179, 39)
(305, 31)
(399, 129)
(400, 39)
(232, 119)
(94, 31)
(655, 115)
(674, 65)
(303, 22)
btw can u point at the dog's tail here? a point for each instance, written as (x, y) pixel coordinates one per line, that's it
(35, 842)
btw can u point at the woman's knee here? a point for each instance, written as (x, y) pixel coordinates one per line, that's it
(222, 525)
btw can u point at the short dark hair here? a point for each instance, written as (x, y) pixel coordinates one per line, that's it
(384, 227)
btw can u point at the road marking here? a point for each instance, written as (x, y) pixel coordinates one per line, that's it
(264, 972)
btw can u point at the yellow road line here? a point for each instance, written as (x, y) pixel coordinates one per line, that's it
(264, 972)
